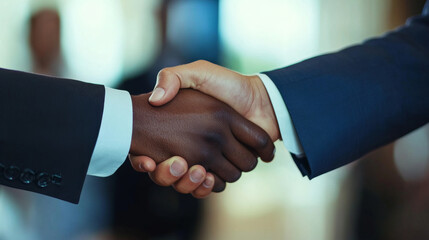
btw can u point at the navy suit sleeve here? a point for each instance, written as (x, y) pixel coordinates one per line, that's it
(345, 104)
(48, 130)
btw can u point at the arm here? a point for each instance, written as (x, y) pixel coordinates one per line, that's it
(342, 105)
(44, 118)
(345, 104)
(48, 129)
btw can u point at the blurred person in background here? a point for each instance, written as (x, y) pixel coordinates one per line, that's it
(376, 172)
(69, 189)
(95, 142)
(45, 42)
(42, 216)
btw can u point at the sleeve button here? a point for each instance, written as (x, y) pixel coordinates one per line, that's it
(43, 179)
(11, 173)
(57, 179)
(27, 176)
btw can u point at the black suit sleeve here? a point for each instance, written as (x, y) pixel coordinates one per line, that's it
(48, 130)
(345, 104)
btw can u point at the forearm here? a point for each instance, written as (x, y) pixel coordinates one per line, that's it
(345, 104)
(48, 125)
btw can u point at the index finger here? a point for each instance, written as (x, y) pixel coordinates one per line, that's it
(254, 137)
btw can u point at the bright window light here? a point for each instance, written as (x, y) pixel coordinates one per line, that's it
(92, 34)
(260, 35)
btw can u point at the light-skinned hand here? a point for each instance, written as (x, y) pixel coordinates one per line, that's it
(245, 94)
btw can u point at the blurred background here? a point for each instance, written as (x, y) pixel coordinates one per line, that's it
(123, 44)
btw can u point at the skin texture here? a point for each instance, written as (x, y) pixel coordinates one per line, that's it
(161, 174)
(246, 94)
(202, 130)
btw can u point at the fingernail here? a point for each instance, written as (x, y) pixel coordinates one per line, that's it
(141, 166)
(196, 176)
(157, 94)
(177, 169)
(208, 183)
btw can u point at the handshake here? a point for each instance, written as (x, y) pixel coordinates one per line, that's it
(217, 130)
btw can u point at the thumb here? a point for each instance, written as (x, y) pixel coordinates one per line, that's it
(170, 80)
(166, 88)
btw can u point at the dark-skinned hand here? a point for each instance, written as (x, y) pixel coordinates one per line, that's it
(203, 131)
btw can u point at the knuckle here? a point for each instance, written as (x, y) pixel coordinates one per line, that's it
(201, 62)
(220, 112)
(198, 194)
(214, 136)
(205, 155)
(251, 164)
(261, 141)
(161, 181)
(205, 158)
(164, 73)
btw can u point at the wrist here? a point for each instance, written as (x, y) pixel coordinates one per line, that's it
(265, 109)
(140, 105)
(133, 135)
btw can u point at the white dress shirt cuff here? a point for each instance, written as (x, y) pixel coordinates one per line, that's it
(114, 138)
(287, 130)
